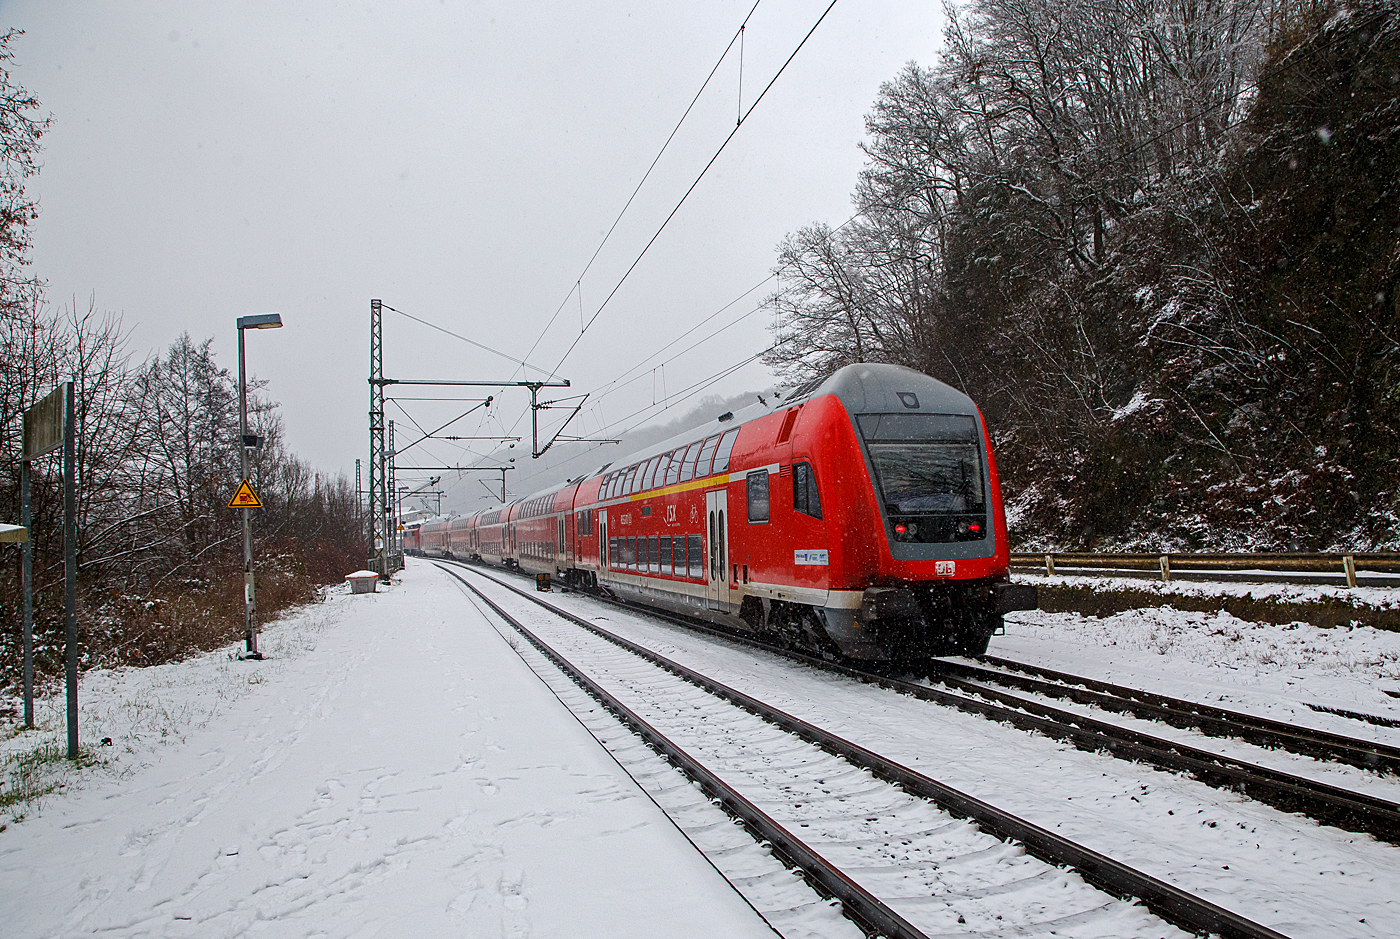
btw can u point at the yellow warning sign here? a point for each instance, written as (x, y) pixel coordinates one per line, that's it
(244, 498)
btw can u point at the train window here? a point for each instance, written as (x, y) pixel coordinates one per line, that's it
(688, 462)
(804, 490)
(612, 552)
(653, 554)
(696, 547)
(726, 447)
(662, 469)
(707, 453)
(652, 464)
(673, 471)
(757, 486)
(630, 485)
(666, 555)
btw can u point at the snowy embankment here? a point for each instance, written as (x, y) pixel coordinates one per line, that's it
(1276, 671)
(393, 769)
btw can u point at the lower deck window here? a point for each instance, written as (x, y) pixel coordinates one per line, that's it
(695, 545)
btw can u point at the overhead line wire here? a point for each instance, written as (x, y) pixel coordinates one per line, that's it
(694, 184)
(578, 281)
(607, 388)
(509, 358)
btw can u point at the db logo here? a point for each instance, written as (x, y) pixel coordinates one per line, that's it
(670, 514)
(945, 568)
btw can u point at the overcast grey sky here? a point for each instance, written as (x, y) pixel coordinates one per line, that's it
(462, 162)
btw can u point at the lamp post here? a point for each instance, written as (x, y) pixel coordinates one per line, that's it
(250, 634)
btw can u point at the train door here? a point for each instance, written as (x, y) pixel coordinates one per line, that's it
(602, 539)
(717, 529)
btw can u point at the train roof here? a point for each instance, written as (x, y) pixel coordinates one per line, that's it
(864, 388)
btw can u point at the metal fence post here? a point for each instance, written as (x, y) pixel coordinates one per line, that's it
(1349, 566)
(1166, 569)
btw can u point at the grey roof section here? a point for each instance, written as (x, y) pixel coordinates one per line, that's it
(866, 388)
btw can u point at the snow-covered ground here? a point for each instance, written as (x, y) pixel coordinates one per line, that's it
(394, 769)
(1217, 658)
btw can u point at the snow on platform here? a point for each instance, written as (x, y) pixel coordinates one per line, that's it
(394, 769)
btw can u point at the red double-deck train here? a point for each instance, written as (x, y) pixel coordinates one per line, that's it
(861, 516)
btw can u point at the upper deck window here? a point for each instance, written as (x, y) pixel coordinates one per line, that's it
(673, 472)
(726, 447)
(688, 462)
(707, 453)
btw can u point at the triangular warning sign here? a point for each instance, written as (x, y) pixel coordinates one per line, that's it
(244, 498)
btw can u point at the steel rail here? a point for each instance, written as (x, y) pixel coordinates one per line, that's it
(1334, 805)
(1192, 715)
(1172, 904)
(867, 910)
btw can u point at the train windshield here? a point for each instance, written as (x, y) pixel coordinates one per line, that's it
(929, 473)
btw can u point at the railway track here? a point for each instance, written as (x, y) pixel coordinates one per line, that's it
(1187, 715)
(861, 827)
(1333, 805)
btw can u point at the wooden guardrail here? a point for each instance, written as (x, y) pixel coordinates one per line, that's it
(1286, 568)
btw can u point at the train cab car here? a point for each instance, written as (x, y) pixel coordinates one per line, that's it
(886, 499)
(861, 517)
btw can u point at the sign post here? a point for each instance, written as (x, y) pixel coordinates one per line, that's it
(70, 571)
(26, 518)
(245, 498)
(47, 425)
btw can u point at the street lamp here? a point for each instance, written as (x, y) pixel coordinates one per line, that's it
(247, 441)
